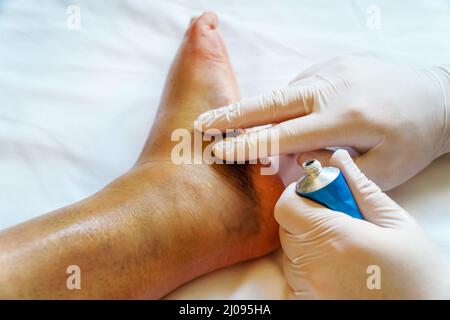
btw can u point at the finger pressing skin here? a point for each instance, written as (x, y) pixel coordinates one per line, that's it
(311, 132)
(273, 107)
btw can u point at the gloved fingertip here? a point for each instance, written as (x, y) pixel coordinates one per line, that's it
(205, 120)
(342, 160)
(230, 149)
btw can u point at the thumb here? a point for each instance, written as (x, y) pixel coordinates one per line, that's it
(299, 215)
(305, 228)
(374, 204)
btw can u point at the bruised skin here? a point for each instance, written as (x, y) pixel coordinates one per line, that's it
(159, 225)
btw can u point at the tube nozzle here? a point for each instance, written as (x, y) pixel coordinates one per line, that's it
(312, 167)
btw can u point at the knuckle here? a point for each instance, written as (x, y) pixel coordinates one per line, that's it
(275, 101)
(232, 112)
(385, 182)
(308, 96)
(355, 113)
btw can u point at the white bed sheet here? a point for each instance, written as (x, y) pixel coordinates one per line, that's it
(76, 106)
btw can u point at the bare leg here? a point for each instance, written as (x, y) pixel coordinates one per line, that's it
(160, 224)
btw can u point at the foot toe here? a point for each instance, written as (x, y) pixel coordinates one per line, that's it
(203, 40)
(206, 20)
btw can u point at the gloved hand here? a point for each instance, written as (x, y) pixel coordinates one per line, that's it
(397, 118)
(329, 255)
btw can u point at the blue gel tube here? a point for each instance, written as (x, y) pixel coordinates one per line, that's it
(336, 196)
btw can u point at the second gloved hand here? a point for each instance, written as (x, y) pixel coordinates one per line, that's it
(329, 255)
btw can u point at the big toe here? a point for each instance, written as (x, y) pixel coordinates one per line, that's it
(203, 41)
(201, 78)
(206, 20)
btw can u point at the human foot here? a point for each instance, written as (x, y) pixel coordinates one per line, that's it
(159, 225)
(200, 77)
(237, 198)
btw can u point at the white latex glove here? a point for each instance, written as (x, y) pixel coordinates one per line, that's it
(327, 253)
(397, 118)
